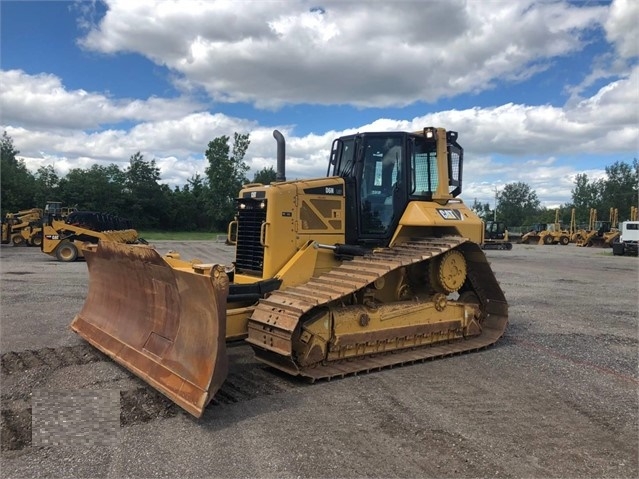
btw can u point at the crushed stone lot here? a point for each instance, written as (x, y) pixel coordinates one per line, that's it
(555, 397)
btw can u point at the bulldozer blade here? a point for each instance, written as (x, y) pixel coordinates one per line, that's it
(151, 318)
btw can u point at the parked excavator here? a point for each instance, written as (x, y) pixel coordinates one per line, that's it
(496, 236)
(377, 264)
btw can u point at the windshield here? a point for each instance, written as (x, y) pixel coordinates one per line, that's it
(343, 157)
(425, 178)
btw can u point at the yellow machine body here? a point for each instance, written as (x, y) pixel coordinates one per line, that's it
(67, 242)
(331, 276)
(496, 236)
(67, 232)
(23, 228)
(555, 233)
(601, 234)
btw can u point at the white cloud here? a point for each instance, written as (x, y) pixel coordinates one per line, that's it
(348, 52)
(42, 101)
(604, 123)
(277, 53)
(621, 27)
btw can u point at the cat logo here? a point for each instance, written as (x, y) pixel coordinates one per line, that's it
(253, 194)
(449, 214)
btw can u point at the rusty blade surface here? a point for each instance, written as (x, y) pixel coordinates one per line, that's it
(165, 325)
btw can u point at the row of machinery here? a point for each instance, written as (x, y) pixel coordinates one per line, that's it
(23, 228)
(547, 234)
(63, 232)
(377, 264)
(600, 234)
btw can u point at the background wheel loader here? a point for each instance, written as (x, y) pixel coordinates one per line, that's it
(66, 234)
(533, 234)
(23, 228)
(375, 265)
(555, 233)
(601, 234)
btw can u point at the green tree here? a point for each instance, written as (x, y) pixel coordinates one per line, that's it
(148, 202)
(190, 211)
(620, 188)
(226, 174)
(47, 184)
(546, 215)
(585, 195)
(182, 209)
(266, 176)
(517, 204)
(482, 210)
(17, 184)
(98, 188)
(200, 193)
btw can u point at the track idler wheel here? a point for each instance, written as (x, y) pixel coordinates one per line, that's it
(448, 272)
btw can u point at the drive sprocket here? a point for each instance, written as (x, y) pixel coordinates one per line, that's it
(448, 272)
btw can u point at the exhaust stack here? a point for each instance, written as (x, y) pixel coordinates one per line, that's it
(280, 173)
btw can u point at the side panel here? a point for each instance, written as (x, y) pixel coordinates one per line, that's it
(274, 239)
(296, 212)
(322, 218)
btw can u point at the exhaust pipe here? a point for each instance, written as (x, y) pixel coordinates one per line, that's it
(280, 173)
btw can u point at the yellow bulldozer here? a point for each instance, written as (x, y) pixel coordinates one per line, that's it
(377, 264)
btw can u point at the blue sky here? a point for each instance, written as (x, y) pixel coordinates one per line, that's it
(538, 91)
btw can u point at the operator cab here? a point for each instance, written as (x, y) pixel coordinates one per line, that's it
(495, 230)
(602, 227)
(383, 172)
(52, 211)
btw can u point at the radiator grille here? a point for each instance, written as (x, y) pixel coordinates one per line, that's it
(249, 253)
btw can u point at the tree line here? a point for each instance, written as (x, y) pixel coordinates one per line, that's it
(519, 205)
(205, 203)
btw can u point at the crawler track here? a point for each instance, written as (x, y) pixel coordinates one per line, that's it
(274, 323)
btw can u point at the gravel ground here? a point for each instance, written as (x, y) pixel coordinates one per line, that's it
(556, 397)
